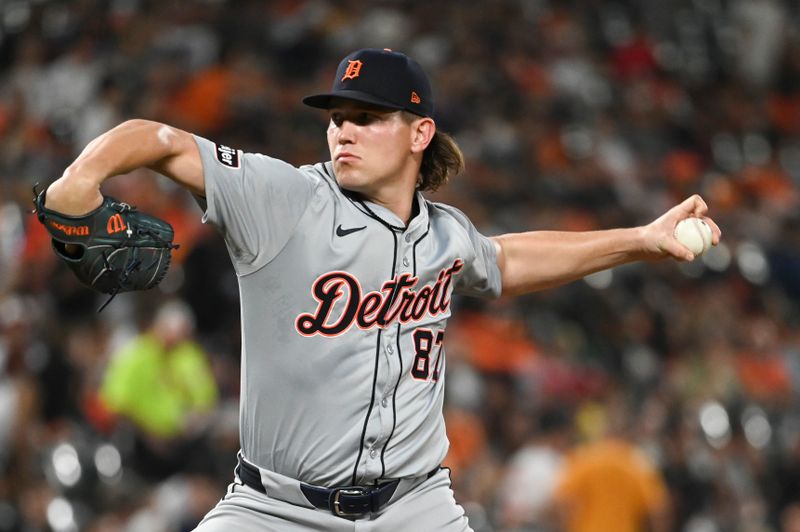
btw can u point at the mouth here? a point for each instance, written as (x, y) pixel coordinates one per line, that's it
(345, 157)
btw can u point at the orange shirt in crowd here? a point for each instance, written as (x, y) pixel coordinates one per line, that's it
(480, 332)
(764, 376)
(467, 439)
(610, 485)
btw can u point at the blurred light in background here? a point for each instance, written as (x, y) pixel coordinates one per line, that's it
(757, 150)
(61, 516)
(577, 141)
(108, 462)
(668, 55)
(16, 16)
(718, 258)
(726, 152)
(66, 465)
(715, 424)
(757, 429)
(600, 280)
(641, 363)
(752, 263)
(701, 523)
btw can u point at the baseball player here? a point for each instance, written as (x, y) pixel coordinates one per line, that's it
(346, 276)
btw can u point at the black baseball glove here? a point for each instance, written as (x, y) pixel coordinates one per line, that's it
(112, 249)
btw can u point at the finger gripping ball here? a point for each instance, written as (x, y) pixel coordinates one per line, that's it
(695, 234)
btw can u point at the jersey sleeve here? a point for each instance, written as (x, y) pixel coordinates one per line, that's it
(480, 276)
(254, 200)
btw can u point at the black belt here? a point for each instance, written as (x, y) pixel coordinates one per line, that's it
(347, 501)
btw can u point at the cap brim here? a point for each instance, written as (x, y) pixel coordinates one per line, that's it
(324, 101)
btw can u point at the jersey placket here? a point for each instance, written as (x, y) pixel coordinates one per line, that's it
(394, 355)
(385, 405)
(382, 422)
(376, 427)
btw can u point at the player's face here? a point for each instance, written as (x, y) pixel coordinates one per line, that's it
(370, 147)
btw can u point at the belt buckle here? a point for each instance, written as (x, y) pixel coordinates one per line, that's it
(353, 490)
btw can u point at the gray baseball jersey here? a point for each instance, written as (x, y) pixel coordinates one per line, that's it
(343, 312)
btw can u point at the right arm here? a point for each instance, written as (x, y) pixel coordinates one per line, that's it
(130, 145)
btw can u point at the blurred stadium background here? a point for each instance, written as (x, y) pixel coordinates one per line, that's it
(574, 115)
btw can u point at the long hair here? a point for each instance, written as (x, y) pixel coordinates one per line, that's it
(441, 160)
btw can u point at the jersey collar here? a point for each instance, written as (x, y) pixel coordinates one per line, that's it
(416, 227)
(418, 223)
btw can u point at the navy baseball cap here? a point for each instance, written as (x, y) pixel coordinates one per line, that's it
(380, 77)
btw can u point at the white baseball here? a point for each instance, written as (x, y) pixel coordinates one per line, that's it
(695, 234)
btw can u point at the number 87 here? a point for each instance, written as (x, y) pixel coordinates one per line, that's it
(423, 347)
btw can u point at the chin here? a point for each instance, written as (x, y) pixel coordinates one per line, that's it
(349, 180)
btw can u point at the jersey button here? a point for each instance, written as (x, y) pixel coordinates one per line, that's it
(373, 453)
(389, 349)
(384, 402)
(405, 261)
(408, 238)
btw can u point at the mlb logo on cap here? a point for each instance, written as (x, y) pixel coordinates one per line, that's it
(380, 77)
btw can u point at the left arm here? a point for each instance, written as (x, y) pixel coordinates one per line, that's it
(544, 259)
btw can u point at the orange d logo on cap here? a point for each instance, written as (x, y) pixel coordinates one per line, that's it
(353, 69)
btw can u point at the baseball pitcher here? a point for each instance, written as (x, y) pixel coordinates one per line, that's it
(346, 274)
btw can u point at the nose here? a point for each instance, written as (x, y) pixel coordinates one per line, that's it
(347, 132)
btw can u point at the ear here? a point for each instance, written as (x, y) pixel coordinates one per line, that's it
(422, 131)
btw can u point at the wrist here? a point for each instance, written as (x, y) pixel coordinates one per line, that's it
(639, 246)
(74, 193)
(83, 174)
(643, 243)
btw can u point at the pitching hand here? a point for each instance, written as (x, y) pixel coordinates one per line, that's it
(659, 235)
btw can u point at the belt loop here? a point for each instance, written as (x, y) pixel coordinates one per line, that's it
(250, 476)
(374, 502)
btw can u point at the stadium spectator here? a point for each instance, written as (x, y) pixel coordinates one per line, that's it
(609, 484)
(162, 382)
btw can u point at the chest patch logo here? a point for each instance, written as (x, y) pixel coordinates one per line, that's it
(340, 302)
(227, 156)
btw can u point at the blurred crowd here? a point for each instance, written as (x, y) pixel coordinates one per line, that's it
(573, 115)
